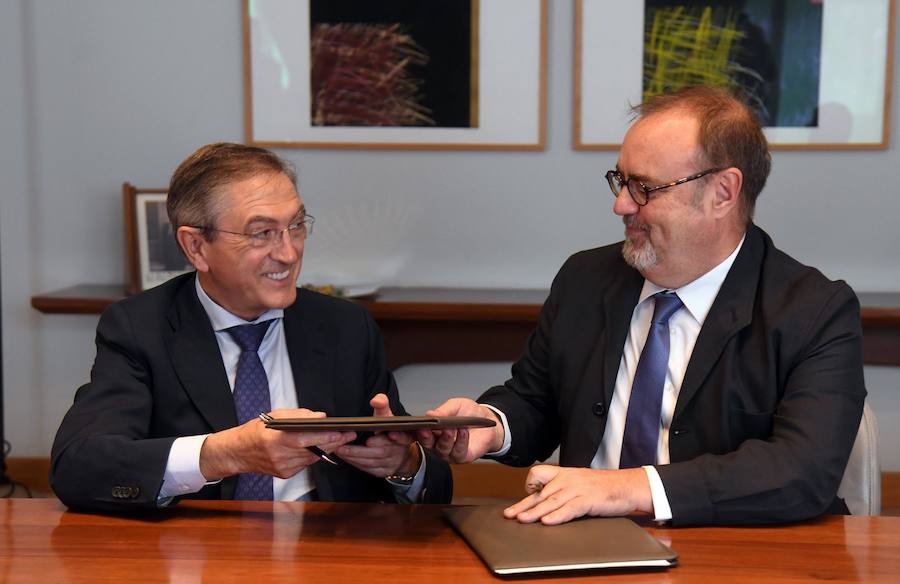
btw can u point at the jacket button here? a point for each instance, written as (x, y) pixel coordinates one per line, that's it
(599, 409)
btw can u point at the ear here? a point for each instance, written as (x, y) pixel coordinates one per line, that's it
(728, 191)
(193, 244)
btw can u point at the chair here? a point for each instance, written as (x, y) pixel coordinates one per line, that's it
(861, 486)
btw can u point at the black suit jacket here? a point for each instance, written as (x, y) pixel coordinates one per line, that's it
(158, 375)
(769, 406)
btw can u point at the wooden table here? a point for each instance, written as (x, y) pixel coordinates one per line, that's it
(446, 325)
(229, 541)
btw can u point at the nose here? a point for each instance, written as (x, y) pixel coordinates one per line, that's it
(285, 249)
(623, 204)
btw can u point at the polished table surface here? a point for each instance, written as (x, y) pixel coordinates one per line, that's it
(226, 541)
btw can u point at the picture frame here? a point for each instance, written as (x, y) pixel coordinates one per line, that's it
(851, 109)
(507, 79)
(152, 255)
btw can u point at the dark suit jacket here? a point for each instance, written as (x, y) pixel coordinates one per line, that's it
(769, 406)
(159, 375)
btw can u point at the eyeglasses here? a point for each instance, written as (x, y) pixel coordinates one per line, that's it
(297, 230)
(640, 192)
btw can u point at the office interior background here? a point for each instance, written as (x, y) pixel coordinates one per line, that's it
(98, 92)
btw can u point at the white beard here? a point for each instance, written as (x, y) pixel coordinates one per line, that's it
(639, 256)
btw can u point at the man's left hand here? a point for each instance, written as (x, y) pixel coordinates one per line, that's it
(386, 453)
(560, 494)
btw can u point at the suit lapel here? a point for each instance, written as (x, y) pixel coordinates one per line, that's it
(195, 356)
(618, 306)
(598, 383)
(731, 311)
(311, 362)
(306, 335)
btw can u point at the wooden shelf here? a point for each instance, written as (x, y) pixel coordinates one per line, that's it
(446, 325)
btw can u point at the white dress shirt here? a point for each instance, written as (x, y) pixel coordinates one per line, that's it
(684, 328)
(183, 474)
(183, 468)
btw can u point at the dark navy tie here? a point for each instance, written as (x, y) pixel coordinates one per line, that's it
(251, 397)
(639, 442)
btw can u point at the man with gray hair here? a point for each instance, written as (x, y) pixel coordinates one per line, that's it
(184, 370)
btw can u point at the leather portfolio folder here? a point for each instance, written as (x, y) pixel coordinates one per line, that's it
(377, 423)
(509, 547)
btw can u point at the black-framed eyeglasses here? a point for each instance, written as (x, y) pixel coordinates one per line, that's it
(640, 192)
(297, 230)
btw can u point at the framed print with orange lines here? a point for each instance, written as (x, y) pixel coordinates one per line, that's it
(412, 74)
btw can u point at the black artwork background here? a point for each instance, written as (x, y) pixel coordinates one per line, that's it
(443, 28)
(780, 55)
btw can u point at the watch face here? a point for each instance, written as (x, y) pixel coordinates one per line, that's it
(398, 480)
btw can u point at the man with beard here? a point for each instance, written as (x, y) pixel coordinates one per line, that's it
(184, 370)
(693, 372)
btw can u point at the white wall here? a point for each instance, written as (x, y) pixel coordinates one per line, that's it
(97, 92)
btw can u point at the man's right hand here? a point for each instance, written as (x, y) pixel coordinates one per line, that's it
(251, 447)
(465, 444)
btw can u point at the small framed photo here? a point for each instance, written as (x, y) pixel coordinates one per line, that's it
(395, 74)
(152, 254)
(816, 73)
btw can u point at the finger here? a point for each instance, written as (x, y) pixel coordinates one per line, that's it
(539, 509)
(460, 450)
(539, 476)
(360, 452)
(405, 438)
(296, 413)
(450, 407)
(572, 509)
(428, 438)
(525, 504)
(445, 443)
(533, 487)
(381, 406)
(321, 439)
(547, 501)
(345, 438)
(288, 463)
(371, 452)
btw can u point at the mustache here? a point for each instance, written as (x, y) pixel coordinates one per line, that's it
(632, 221)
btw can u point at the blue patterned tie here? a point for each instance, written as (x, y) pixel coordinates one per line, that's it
(251, 397)
(641, 436)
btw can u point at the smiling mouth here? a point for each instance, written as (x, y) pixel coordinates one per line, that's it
(278, 276)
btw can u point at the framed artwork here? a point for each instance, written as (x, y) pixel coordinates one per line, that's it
(152, 255)
(816, 72)
(395, 74)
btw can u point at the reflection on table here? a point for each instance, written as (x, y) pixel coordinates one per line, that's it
(268, 542)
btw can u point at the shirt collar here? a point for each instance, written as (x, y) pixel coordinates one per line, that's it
(221, 319)
(699, 295)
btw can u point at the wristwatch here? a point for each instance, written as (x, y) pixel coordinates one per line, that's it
(403, 480)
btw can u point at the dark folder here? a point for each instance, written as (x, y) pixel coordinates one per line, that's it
(509, 547)
(377, 424)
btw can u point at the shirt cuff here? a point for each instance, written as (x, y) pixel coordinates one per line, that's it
(412, 493)
(661, 509)
(507, 438)
(182, 474)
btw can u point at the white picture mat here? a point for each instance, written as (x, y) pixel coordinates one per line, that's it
(509, 80)
(149, 278)
(852, 85)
